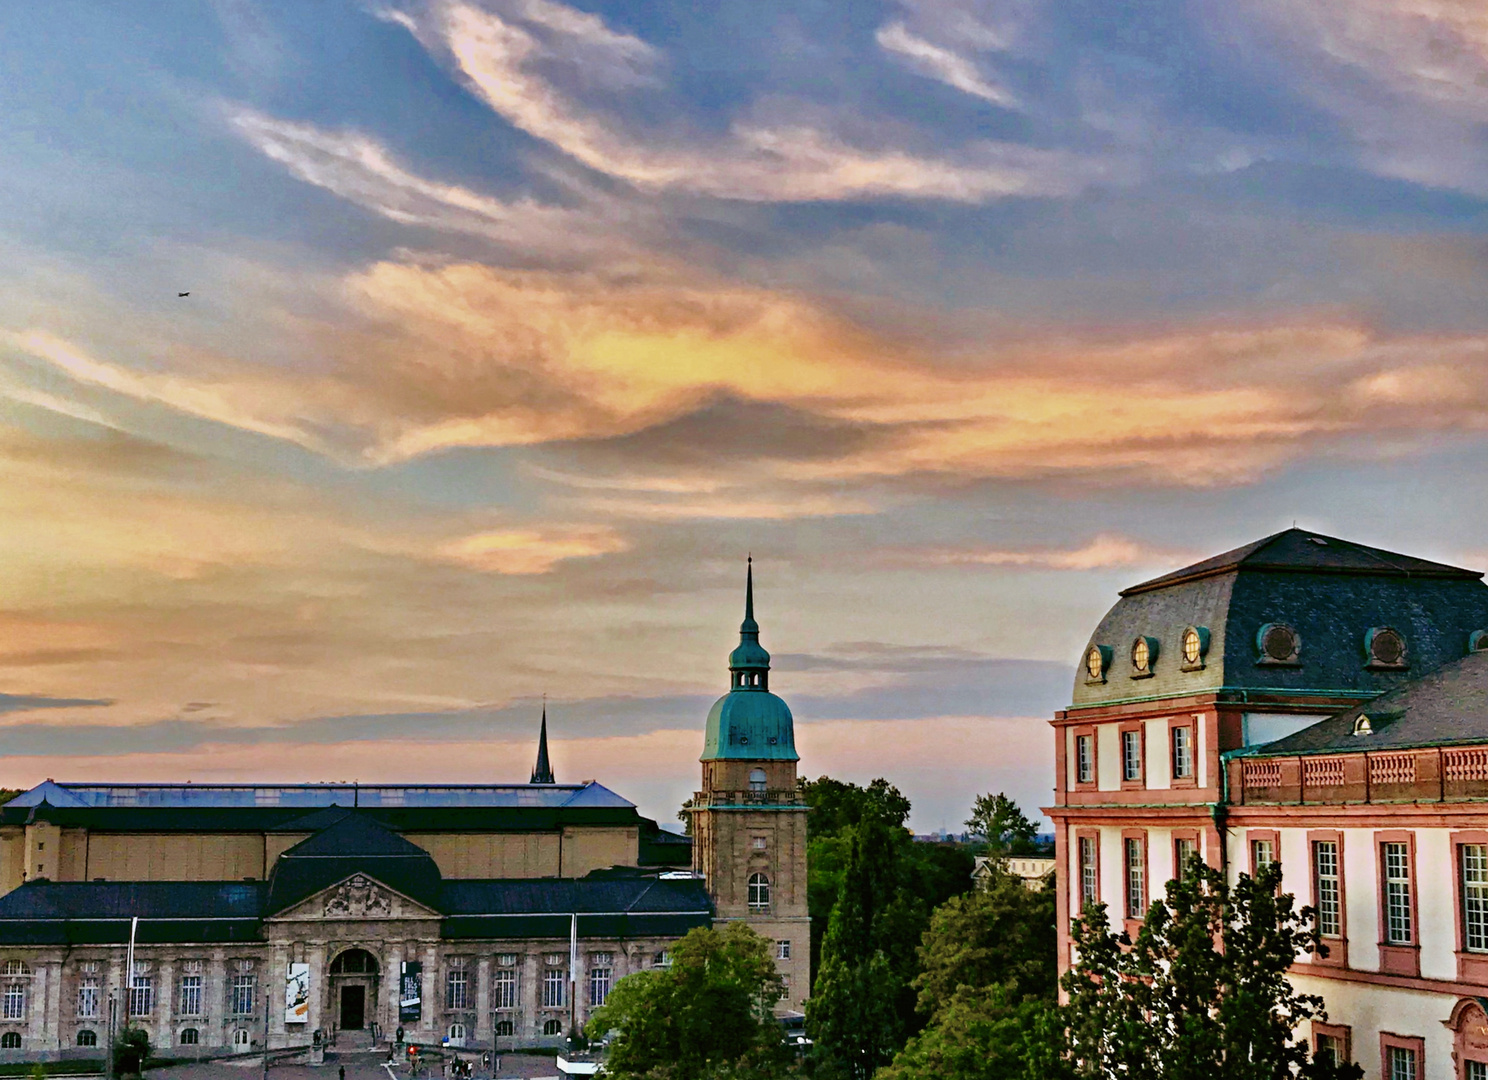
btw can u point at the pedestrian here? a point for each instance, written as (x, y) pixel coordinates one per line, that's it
(341, 1073)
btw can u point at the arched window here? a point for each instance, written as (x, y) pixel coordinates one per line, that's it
(11, 1040)
(504, 1029)
(190, 1037)
(550, 1027)
(87, 1038)
(759, 892)
(354, 962)
(16, 967)
(241, 1038)
(457, 1034)
(758, 780)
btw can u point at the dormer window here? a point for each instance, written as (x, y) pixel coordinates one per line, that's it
(1195, 646)
(1278, 643)
(1385, 647)
(1143, 656)
(1097, 660)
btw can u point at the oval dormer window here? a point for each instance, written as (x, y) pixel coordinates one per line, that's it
(1143, 656)
(1386, 647)
(1477, 641)
(1195, 645)
(1279, 644)
(1096, 661)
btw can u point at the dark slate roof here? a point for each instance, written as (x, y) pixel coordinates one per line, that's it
(1301, 550)
(355, 844)
(1448, 705)
(1331, 593)
(308, 796)
(658, 847)
(99, 912)
(583, 807)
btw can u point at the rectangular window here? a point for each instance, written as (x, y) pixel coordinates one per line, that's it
(1089, 872)
(1396, 859)
(242, 995)
(142, 996)
(1328, 1048)
(1475, 897)
(1085, 758)
(1477, 1070)
(88, 996)
(14, 1001)
(457, 989)
(1402, 1063)
(553, 985)
(782, 950)
(1182, 753)
(191, 995)
(599, 985)
(1184, 849)
(1131, 755)
(760, 843)
(1325, 881)
(1262, 853)
(1136, 878)
(504, 989)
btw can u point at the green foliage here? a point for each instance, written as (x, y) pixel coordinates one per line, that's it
(1003, 936)
(708, 1015)
(1007, 830)
(862, 1004)
(835, 806)
(131, 1050)
(984, 1033)
(1203, 990)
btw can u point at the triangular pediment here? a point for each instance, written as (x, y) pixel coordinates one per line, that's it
(358, 897)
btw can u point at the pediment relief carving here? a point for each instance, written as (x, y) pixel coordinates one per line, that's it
(358, 897)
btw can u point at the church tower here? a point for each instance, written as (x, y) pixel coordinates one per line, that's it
(748, 821)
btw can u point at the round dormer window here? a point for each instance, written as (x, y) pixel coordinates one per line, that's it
(1386, 647)
(1279, 643)
(1193, 648)
(1477, 641)
(1141, 655)
(1095, 664)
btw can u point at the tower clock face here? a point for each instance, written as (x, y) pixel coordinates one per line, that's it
(1094, 663)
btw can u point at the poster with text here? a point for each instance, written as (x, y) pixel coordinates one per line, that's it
(297, 994)
(410, 991)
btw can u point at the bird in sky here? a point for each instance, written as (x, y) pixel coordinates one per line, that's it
(181, 294)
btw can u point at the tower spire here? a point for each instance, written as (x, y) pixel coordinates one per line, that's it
(749, 625)
(542, 772)
(749, 664)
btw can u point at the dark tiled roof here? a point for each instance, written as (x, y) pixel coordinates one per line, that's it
(354, 833)
(597, 895)
(1331, 594)
(356, 843)
(1308, 552)
(98, 912)
(1448, 705)
(296, 819)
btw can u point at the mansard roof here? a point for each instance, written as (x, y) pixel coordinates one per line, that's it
(1445, 707)
(1331, 594)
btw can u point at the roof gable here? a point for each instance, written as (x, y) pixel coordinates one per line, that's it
(1301, 550)
(358, 896)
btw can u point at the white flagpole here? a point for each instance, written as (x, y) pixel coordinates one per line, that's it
(573, 971)
(129, 968)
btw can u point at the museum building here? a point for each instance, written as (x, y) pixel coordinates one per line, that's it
(1318, 703)
(223, 918)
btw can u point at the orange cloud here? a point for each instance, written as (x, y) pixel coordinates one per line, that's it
(530, 551)
(1103, 552)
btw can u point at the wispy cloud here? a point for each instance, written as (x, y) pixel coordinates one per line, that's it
(504, 53)
(530, 551)
(1104, 552)
(942, 64)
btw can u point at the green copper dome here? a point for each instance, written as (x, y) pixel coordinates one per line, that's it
(749, 723)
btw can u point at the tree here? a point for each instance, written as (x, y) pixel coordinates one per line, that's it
(708, 1015)
(1002, 936)
(1007, 830)
(862, 1002)
(835, 806)
(1203, 991)
(131, 1051)
(987, 981)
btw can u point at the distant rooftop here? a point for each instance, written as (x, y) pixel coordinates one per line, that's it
(1304, 551)
(65, 794)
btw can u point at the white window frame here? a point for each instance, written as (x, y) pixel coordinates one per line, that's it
(554, 988)
(504, 988)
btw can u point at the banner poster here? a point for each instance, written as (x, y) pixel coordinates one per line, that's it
(410, 991)
(297, 994)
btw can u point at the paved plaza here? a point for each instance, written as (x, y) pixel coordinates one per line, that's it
(358, 1067)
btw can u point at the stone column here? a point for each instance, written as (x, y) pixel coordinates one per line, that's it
(315, 956)
(165, 1005)
(276, 966)
(36, 1008)
(485, 1032)
(530, 994)
(431, 974)
(395, 991)
(214, 999)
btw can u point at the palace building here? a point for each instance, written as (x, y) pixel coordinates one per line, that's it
(490, 916)
(1320, 703)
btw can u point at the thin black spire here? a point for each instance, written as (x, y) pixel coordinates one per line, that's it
(542, 772)
(749, 626)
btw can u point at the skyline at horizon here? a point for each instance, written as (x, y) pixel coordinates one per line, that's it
(513, 326)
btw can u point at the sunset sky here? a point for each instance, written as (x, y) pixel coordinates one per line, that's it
(514, 325)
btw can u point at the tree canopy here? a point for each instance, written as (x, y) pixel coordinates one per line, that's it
(1202, 991)
(707, 1015)
(1007, 830)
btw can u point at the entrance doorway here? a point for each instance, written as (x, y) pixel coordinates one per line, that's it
(353, 1008)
